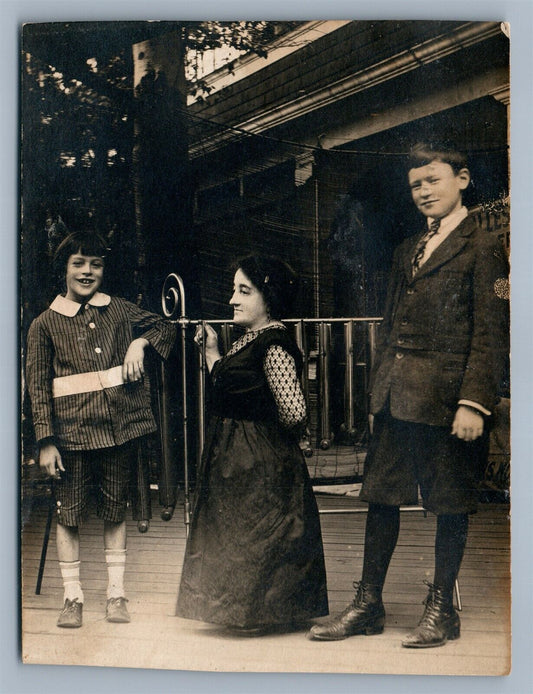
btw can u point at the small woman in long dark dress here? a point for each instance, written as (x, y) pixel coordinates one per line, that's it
(254, 559)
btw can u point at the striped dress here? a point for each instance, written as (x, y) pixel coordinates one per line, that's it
(90, 339)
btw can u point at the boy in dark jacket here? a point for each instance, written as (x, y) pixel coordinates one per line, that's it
(440, 358)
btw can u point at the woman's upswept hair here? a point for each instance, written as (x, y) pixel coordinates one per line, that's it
(424, 153)
(85, 242)
(275, 279)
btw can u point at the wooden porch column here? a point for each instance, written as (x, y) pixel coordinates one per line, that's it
(162, 182)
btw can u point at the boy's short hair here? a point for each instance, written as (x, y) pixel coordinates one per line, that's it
(85, 242)
(275, 279)
(424, 153)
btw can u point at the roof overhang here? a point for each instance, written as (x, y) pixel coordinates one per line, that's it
(401, 63)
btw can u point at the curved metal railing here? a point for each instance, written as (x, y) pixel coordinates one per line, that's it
(314, 338)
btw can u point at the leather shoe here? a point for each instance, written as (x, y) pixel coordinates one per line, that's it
(440, 622)
(70, 616)
(116, 611)
(365, 615)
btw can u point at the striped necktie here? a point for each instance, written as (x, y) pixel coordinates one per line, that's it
(421, 245)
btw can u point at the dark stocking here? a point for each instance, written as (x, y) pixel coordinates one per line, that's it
(450, 544)
(381, 535)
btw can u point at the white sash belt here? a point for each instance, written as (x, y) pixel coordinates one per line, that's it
(87, 382)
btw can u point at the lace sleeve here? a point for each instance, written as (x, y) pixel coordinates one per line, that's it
(282, 378)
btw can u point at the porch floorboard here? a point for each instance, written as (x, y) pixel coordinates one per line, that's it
(157, 639)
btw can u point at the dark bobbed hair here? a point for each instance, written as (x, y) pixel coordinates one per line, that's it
(275, 279)
(85, 242)
(445, 151)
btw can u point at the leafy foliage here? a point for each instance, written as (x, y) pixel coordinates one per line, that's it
(78, 136)
(229, 39)
(84, 122)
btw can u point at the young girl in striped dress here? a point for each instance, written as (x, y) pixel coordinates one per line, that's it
(91, 406)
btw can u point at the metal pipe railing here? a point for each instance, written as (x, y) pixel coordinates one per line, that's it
(300, 337)
(324, 346)
(173, 303)
(349, 410)
(167, 482)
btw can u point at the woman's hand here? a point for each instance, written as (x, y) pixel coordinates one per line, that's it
(206, 339)
(50, 459)
(133, 366)
(207, 335)
(468, 424)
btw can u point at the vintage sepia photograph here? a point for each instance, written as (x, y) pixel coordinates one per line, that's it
(265, 346)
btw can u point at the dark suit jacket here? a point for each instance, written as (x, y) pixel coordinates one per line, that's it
(445, 332)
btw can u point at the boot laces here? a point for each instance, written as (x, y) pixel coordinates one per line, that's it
(430, 597)
(434, 605)
(71, 606)
(364, 591)
(359, 588)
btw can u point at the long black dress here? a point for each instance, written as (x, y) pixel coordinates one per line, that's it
(254, 554)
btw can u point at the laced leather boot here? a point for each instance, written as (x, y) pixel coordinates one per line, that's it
(365, 615)
(440, 622)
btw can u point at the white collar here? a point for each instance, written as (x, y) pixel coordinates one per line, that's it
(69, 308)
(451, 221)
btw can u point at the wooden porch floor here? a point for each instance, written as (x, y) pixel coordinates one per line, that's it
(157, 639)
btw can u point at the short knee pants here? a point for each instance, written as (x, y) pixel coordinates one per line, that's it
(104, 473)
(404, 457)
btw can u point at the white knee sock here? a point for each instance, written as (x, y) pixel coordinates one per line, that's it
(70, 572)
(116, 564)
